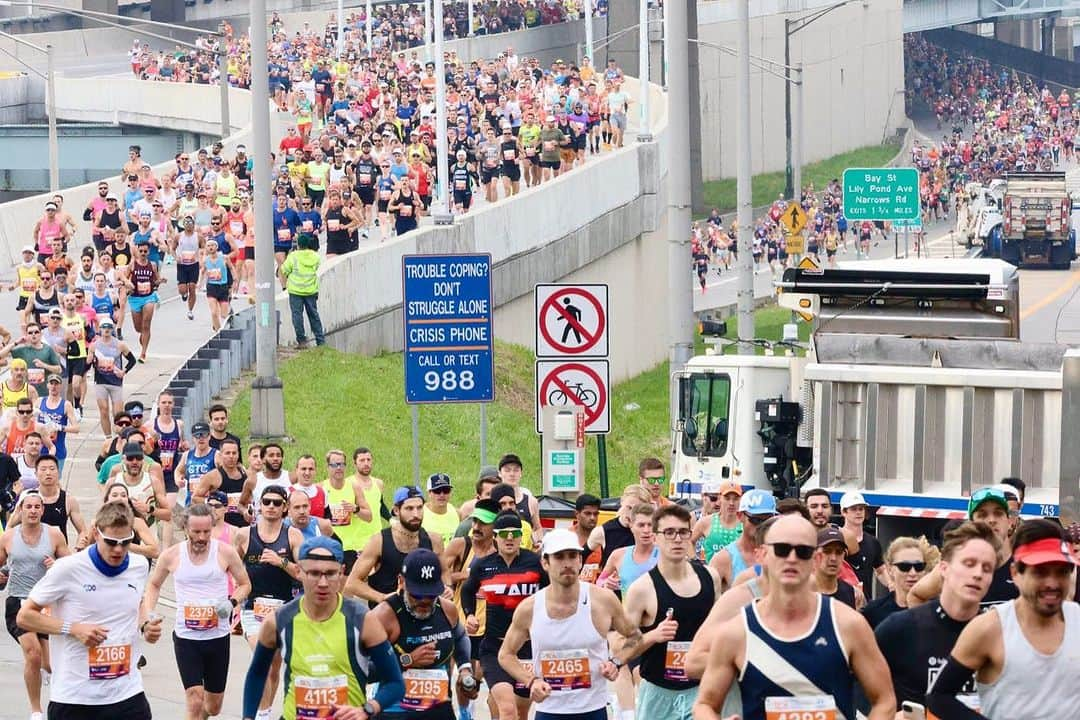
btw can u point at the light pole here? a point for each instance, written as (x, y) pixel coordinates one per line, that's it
(793, 167)
(588, 9)
(50, 103)
(340, 28)
(369, 23)
(743, 192)
(113, 21)
(267, 398)
(440, 213)
(680, 285)
(427, 30)
(643, 69)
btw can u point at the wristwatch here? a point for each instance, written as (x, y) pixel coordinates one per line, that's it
(616, 662)
(406, 660)
(369, 709)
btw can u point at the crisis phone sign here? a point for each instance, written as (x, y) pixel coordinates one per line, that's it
(449, 342)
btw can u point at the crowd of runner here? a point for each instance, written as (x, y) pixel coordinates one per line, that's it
(992, 120)
(359, 597)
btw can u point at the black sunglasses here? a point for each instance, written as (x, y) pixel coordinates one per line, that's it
(909, 566)
(272, 502)
(783, 550)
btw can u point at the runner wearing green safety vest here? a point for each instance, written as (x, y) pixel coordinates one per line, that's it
(300, 278)
(326, 669)
(715, 531)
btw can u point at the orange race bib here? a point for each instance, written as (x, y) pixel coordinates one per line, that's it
(234, 502)
(316, 696)
(108, 662)
(424, 689)
(804, 707)
(166, 460)
(339, 515)
(35, 375)
(284, 234)
(105, 364)
(213, 274)
(29, 285)
(565, 669)
(142, 288)
(264, 606)
(200, 615)
(675, 661)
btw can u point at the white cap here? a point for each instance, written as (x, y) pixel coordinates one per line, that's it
(851, 498)
(560, 539)
(1009, 491)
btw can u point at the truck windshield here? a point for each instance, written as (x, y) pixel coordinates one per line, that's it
(705, 399)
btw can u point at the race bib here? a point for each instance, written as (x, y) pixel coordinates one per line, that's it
(308, 226)
(339, 515)
(29, 285)
(213, 274)
(237, 227)
(384, 194)
(805, 707)
(264, 606)
(234, 501)
(105, 364)
(142, 287)
(565, 669)
(530, 151)
(316, 696)
(284, 234)
(333, 224)
(320, 87)
(589, 572)
(200, 615)
(166, 460)
(529, 668)
(108, 662)
(549, 145)
(187, 257)
(509, 154)
(365, 178)
(406, 210)
(35, 375)
(675, 661)
(424, 689)
(460, 185)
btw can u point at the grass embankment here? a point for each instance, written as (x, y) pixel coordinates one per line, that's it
(767, 186)
(342, 400)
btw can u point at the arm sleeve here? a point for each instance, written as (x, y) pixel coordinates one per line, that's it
(255, 680)
(462, 646)
(941, 700)
(387, 671)
(129, 361)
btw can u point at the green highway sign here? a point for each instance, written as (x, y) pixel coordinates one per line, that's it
(881, 194)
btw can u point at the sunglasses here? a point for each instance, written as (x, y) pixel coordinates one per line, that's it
(123, 542)
(712, 498)
(757, 519)
(25, 412)
(440, 491)
(656, 480)
(268, 502)
(905, 567)
(508, 534)
(783, 550)
(336, 465)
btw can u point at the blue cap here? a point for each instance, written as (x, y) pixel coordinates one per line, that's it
(758, 502)
(321, 546)
(405, 493)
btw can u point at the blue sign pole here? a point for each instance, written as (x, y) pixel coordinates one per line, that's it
(449, 341)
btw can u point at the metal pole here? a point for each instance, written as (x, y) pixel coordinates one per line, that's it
(427, 30)
(744, 198)
(54, 141)
(588, 9)
(223, 71)
(680, 280)
(905, 240)
(340, 27)
(601, 458)
(440, 213)
(799, 140)
(267, 399)
(483, 433)
(789, 185)
(472, 25)
(643, 71)
(415, 411)
(369, 22)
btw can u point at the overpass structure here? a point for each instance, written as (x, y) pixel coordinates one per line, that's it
(932, 14)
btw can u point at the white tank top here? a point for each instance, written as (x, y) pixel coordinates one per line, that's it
(1034, 686)
(199, 590)
(261, 483)
(568, 653)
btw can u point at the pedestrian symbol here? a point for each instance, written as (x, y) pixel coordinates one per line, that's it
(571, 321)
(572, 317)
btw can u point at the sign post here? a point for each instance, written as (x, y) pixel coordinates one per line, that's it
(449, 339)
(881, 194)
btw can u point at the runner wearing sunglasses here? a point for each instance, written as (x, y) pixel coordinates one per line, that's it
(426, 633)
(504, 579)
(95, 599)
(755, 507)
(269, 550)
(908, 559)
(812, 672)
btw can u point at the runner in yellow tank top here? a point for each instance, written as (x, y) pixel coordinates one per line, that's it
(440, 515)
(348, 507)
(372, 488)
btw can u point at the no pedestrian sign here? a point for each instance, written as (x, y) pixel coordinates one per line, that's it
(449, 353)
(564, 383)
(571, 321)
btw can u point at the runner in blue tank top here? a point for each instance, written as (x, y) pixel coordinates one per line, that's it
(795, 653)
(627, 564)
(755, 507)
(196, 462)
(53, 409)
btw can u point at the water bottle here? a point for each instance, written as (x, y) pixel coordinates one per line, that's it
(468, 682)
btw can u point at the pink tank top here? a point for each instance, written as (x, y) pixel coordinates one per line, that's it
(46, 233)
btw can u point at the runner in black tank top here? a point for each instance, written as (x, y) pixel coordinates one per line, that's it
(268, 580)
(660, 664)
(233, 487)
(391, 560)
(56, 514)
(419, 702)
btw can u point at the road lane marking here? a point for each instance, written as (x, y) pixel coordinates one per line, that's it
(1065, 287)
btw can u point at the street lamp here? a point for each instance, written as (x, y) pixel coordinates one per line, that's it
(793, 171)
(440, 213)
(50, 103)
(111, 20)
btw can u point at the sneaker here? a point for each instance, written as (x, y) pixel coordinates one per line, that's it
(78, 418)
(263, 714)
(142, 662)
(36, 716)
(190, 315)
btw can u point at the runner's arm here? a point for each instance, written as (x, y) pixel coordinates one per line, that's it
(72, 425)
(970, 656)
(868, 664)
(60, 546)
(148, 545)
(516, 635)
(926, 589)
(235, 567)
(387, 669)
(622, 624)
(942, 700)
(719, 673)
(636, 603)
(357, 584)
(701, 527)
(75, 514)
(363, 510)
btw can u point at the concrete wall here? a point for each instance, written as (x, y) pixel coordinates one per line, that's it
(15, 99)
(546, 234)
(854, 81)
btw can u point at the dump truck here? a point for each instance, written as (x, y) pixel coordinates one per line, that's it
(1031, 226)
(914, 389)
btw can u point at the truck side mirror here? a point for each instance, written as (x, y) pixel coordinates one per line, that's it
(690, 428)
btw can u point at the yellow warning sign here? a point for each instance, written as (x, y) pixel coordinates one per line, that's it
(807, 263)
(794, 219)
(796, 244)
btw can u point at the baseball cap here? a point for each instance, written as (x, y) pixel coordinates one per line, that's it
(53, 377)
(558, 540)
(485, 510)
(87, 252)
(132, 450)
(134, 407)
(508, 520)
(758, 502)
(438, 481)
(510, 459)
(830, 534)
(500, 491)
(851, 499)
(275, 490)
(488, 472)
(585, 500)
(50, 205)
(200, 428)
(987, 494)
(321, 547)
(18, 363)
(423, 574)
(726, 486)
(55, 312)
(105, 322)
(219, 496)
(29, 249)
(1044, 551)
(405, 493)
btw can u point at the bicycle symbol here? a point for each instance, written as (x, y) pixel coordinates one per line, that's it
(584, 396)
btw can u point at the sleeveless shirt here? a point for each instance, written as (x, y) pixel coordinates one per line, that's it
(663, 664)
(568, 653)
(391, 560)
